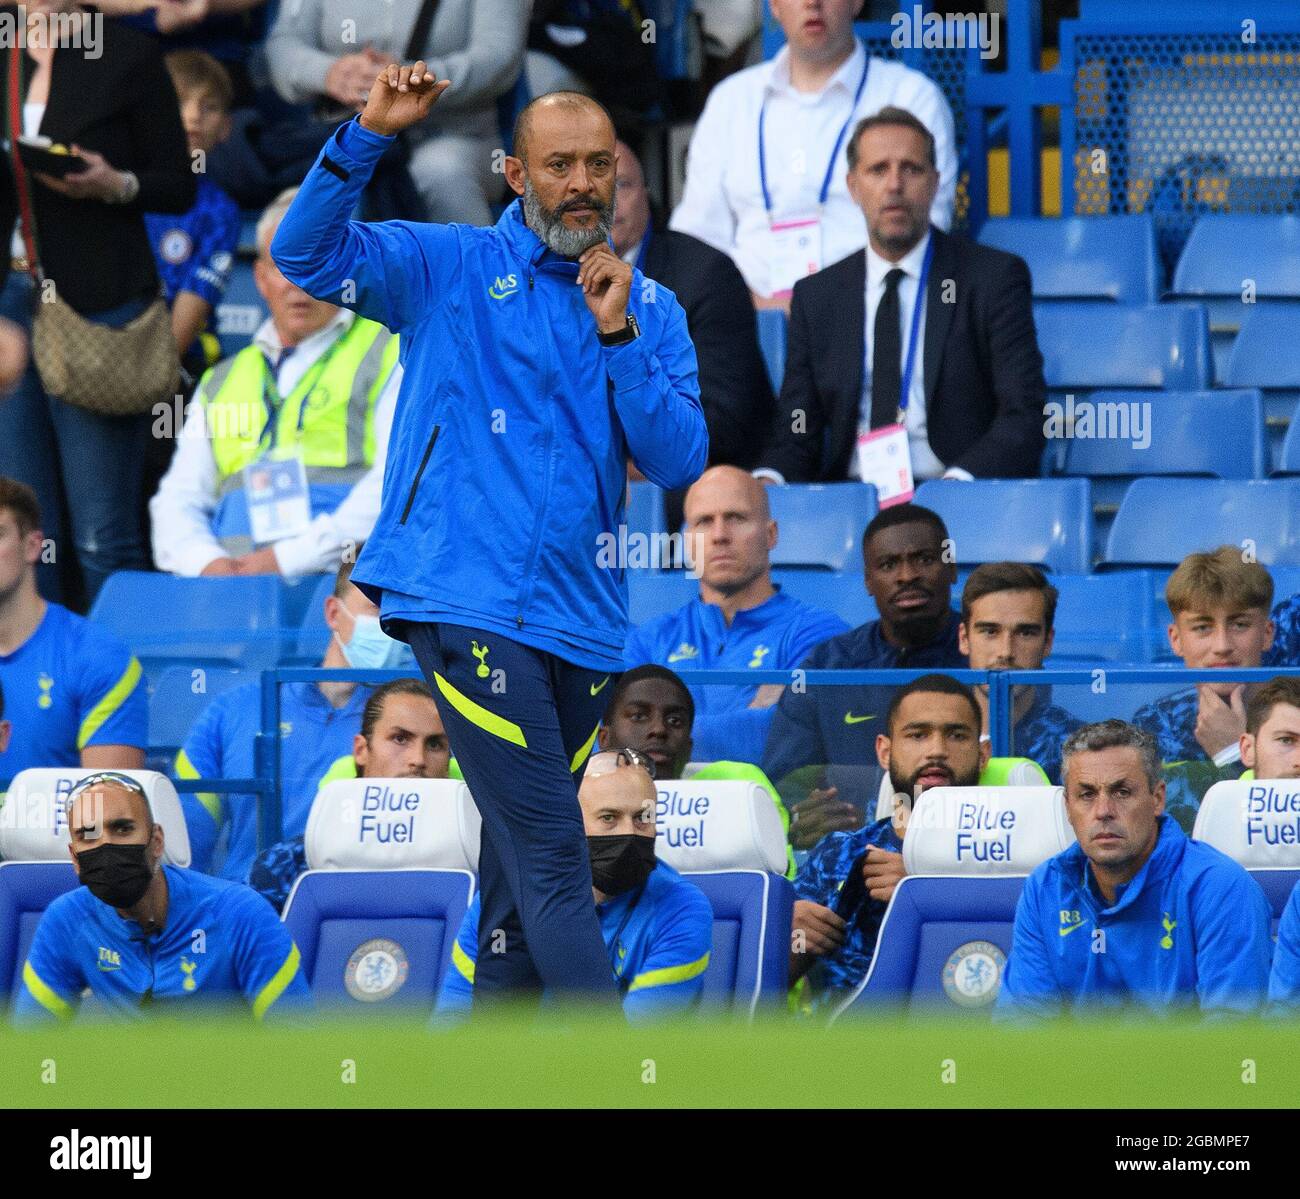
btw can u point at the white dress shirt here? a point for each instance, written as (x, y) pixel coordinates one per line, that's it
(182, 511)
(924, 463)
(723, 200)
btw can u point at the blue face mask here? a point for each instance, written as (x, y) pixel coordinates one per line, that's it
(370, 648)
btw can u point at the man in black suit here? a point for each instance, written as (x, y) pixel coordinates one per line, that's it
(973, 403)
(734, 387)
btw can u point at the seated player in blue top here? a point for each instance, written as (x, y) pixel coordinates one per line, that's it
(658, 926)
(140, 935)
(739, 621)
(652, 710)
(910, 573)
(318, 722)
(1220, 607)
(1007, 613)
(1133, 915)
(931, 738)
(76, 695)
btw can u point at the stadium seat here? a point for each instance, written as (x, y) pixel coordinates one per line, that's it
(212, 621)
(241, 309)
(773, 331)
(1230, 818)
(1135, 433)
(1102, 616)
(390, 876)
(1222, 253)
(174, 704)
(1288, 456)
(1161, 521)
(26, 890)
(843, 592)
(678, 39)
(651, 593)
(820, 525)
(726, 836)
(1084, 257)
(34, 818)
(1163, 346)
(1266, 354)
(1044, 521)
(947, 932)
(645, 510)
(300, 596)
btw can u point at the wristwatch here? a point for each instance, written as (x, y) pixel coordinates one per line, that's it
(620, 337)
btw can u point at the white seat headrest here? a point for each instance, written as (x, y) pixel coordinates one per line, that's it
(393, 824)
(718, 825)
(985, 830)
(1256, 822)
(34, 818)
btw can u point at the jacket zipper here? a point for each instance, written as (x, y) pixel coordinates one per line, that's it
(530, 563)
(419, 474)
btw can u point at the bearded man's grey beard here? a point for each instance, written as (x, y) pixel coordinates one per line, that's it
(550, 226)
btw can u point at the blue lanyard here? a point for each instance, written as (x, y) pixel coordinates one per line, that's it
(272, 399)
(905, 390)
(835, 153)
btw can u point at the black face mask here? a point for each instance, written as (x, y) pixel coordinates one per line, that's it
(117, 874)
(619, 863)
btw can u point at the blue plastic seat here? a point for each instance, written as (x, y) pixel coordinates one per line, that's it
(1288, 457)
(645, 510)
(26, 890)
(202, 621)
(1266, 354)
(1090, 344)
(331, 914)
(313, 632)
(651, 594)
(749, 960)
(929, 920)
(678, 51)
(1225, 249)
(1134, 433)
(773, 333)
(241, 309)
(1047, 522)
(174, 705)
(821, 524)
(1084, 257)
(843, 592)
(1277, 886)
(1161, 521)
(1103, 617)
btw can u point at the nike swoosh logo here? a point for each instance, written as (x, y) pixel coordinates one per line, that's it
(597, 690)
(501, 295)
(849, 718)
(1065, 932)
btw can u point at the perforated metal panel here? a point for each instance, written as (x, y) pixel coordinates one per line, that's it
(1184, 123)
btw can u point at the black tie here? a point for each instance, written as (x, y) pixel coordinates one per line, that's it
(887, 350)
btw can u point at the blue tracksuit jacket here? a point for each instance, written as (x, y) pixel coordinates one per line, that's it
(505, 483)
(1190, 930)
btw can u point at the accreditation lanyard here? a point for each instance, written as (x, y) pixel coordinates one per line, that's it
(905, 388)
(272, 399)
(835, 153)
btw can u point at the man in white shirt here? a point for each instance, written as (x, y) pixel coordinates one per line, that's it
(779, 204)
(280, 463)
(916, 357)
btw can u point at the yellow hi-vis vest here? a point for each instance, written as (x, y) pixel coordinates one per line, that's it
(328, 419)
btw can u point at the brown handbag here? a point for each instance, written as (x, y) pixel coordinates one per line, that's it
(114, 372)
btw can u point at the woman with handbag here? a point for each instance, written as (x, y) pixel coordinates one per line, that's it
(81, 276)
